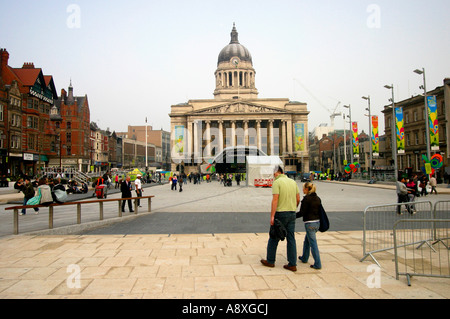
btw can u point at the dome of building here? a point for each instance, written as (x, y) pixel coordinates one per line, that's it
(234, 49)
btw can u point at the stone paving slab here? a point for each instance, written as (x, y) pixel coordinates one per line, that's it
(204, 266)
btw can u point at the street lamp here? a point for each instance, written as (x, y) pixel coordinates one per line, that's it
(427, 133)
(350, 116)
(394, 138)
(370, 134)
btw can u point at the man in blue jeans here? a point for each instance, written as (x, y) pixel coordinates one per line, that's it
(285, 200)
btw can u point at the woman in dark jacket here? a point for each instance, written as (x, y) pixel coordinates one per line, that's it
(309, 210)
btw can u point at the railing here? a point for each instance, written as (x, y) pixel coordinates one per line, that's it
(378, 224)
(430, 260)
(78, 204)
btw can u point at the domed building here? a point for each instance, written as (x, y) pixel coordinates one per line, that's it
(237, 120)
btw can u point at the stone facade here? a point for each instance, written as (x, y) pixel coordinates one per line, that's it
(201, 129)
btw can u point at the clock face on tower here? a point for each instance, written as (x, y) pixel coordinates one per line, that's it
(235, 61)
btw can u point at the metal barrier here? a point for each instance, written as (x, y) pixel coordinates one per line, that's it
(378, 221)
(441, 211)
(430, 260)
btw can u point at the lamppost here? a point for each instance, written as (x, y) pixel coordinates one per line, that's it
(426, 116)
(394, 138)
(370, 136)
(351, 145)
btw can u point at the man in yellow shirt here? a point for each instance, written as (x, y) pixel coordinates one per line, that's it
(285, 200)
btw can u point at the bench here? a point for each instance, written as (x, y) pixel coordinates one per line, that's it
(78, 203)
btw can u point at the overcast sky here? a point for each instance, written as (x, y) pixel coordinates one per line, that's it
(134, 59)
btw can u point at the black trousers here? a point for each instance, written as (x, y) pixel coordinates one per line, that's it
(130, 206)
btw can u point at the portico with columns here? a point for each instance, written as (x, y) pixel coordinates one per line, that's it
(202, 128)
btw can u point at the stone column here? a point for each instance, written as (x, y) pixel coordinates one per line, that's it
(208, 140)
(246, 137)
(270, 147)
(258, 133)
(233, 133)
(220, 136)
(283, 137)
(195, 138)
(290, 137)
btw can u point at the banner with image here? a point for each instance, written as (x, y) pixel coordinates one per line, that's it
(400, 130)
(355, 139)
(375, 137)
(179, 139)
(433, 122)
(299, 133)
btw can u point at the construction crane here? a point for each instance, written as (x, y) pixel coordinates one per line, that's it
(333, 114)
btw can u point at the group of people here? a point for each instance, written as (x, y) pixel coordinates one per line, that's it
(126, 187)
(285, 200)
(408, 190)
(46, 189)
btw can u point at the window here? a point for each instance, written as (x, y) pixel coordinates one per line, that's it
(1, 112)
(15, 141)
(416, 138)
(415, 116)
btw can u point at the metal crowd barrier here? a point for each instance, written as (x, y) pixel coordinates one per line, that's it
(430, 260)
(378, 224)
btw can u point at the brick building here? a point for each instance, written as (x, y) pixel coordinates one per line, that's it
(71, 117)
(30, 93)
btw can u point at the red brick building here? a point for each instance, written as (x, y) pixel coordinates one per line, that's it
(71, 117)
(38, 137)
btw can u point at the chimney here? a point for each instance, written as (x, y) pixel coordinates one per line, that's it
(4, 57)
(28, 65)
(63, 96)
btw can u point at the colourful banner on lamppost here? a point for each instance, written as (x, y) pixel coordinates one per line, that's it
(400, 130)
(355, 139)
(375, 137)
(433, 123)
(299, 133)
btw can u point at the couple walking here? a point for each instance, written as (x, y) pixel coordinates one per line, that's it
(285, 200)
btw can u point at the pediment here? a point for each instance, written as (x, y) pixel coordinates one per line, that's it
(239, 108)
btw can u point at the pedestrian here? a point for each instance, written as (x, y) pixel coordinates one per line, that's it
(138, 188)
(310, 211)
(180, 182)
(412, 191)
(402, 195)
(285, 199)
(174, 182)
(423, 186)
(433, 184)
(28, 192)
(126, 188)
(117, 181)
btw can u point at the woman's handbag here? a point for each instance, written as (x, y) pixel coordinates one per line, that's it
(324, 222)
(36, 199)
